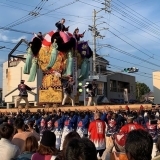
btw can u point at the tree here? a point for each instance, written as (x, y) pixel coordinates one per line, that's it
(141, 89)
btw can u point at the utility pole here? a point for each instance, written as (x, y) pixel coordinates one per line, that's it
(96, 33)
(94, 42)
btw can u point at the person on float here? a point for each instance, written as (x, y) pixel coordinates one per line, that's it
(23, 94)
(68, 90)
(77, 35)
(92, 89)
(60, 25)
(63, 30)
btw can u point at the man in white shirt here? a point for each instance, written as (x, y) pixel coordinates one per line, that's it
(7, 149)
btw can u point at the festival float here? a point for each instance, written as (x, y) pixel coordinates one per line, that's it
(58, 56)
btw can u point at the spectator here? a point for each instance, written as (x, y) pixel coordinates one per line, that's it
(47, 149)
(139, 145)
(67, 139)
(30, 125)
(97, 133)
(157, 157)
(115, 148)
(7, 149)
(20, 137)
(31, 146)
(81, 149)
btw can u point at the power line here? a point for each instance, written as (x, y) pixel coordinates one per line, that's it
(130, 44)
(135, 21)
(152, 23)
(131, 63)
(119, 37)
(133, 41)
(34, 12)
(125, 20)
(38, 15)
(131, 55)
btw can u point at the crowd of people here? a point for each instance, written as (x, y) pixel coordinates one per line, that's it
(83, 135)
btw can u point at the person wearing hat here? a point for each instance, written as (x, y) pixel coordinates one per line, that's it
(46, 149)
(23, 88)
(130, 125)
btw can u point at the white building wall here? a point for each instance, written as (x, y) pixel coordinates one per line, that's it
(12, 77)
(4, 83)
(156, 87)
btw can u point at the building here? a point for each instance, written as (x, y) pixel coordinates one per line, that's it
(116, 83)
(156, 86)
(12, 77)
(111, 85)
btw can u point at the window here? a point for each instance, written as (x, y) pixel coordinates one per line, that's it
(6, 73)
(122, 85)
(113, 86)
(100, 87)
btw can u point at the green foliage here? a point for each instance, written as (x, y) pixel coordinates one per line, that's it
(141, 89)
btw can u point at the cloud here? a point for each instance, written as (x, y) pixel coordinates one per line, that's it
(18, 39)
(3, 37)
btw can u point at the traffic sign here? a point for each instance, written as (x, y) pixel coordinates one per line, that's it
(94, 77)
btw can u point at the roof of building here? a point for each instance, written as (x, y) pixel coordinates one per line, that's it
(101, 58)
(150, 94)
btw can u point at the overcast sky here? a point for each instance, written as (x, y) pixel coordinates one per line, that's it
(131, 29)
